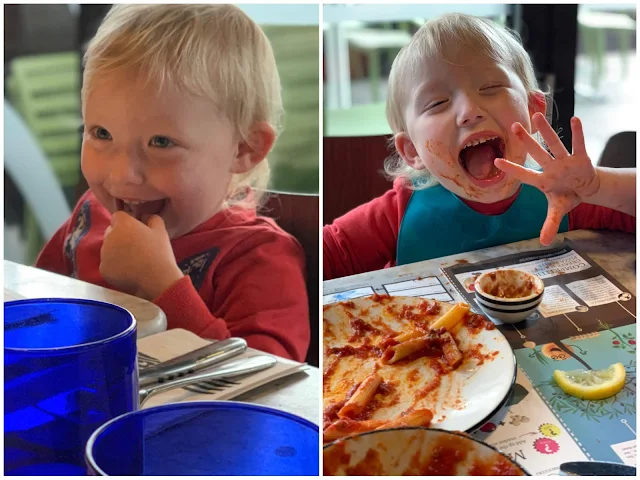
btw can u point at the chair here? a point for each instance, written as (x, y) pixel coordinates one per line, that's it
(298, 214)
(45, 91)
(353, 175)
(620, 151)
(373, 41)
(34, 177)
(294, 159)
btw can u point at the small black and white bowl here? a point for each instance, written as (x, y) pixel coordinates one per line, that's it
(508, 295)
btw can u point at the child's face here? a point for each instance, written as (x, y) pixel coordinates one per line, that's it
(453, 106)
(168, 150)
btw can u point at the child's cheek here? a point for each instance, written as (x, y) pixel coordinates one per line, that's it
(439, 151)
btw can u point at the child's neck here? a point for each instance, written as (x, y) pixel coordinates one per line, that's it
(497, 208)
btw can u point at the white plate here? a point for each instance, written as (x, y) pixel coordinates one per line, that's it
(481, 389)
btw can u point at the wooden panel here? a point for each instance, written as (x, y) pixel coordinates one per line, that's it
(353, 173)
(298, 214)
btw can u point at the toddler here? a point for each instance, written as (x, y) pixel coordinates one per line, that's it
(181, 105)
(463, 104)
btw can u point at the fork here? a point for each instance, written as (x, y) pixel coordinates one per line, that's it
(207, 387)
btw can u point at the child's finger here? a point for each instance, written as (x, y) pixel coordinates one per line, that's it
(550, 137)
(523, 174)
(551, 226)
(577, 142)
(536, 150)
(155, 222)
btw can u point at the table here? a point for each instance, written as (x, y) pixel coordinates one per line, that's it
(21, 281)
(587, 322)
(335, 16)
(615, 252)
(298, 393)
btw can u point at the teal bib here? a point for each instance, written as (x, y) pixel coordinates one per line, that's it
(437, 223)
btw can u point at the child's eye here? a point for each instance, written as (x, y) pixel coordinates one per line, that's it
(161, 142)
(101, 133)
(435, 104)
(491, 87)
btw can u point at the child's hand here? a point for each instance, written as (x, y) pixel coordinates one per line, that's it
(138, 258)
(566, 179)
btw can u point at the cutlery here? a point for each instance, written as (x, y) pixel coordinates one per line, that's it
(588, 469)
(232, 369)
(192, 362)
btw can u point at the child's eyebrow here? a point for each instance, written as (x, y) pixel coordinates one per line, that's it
(426, 88)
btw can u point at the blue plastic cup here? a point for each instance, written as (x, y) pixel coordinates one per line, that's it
(205, 438)
(69, 367)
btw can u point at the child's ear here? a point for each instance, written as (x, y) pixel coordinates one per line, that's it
(537, 103)
(407, 150)
(254, 148)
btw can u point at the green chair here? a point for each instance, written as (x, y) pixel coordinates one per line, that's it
(45, 91)
(294, 159)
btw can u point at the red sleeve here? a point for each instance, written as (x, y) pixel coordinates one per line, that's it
(587, 216)
(52, 257)
(365, 239)
(259, 294)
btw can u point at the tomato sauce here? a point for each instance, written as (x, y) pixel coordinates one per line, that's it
(335, 457)
(370, 465)
(384, 298)
(476, 323)
(360, 327)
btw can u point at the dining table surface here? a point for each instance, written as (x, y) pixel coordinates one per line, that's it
(25, 282)
(615, 252)
(588, 322)
(298, 393)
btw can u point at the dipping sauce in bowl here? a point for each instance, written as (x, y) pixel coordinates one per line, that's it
(416, 451)
(509, 295)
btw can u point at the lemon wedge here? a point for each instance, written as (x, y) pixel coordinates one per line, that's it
(592, 384)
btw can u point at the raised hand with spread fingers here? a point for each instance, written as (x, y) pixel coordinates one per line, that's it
(568, 179)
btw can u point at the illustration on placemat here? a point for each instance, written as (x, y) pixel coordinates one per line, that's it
(347, 295)
(586, 321)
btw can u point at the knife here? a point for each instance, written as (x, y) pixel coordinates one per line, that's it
(192, 362)
(243, 366)
(588, 469)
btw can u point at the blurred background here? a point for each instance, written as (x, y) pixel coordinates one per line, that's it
(42, 73)
(586, 54)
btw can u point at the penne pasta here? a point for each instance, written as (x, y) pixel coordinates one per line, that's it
(416, 418)
(361, 397)
(452, 354)
(403, 337)
(451, 318)
(396, 353)
(344, 427)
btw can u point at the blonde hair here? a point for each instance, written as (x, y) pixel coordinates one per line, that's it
(212, 51)
(439, 38)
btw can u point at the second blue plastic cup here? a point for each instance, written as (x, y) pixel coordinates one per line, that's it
(205, 438)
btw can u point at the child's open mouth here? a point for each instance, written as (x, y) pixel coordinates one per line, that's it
(141, 210)
(477, 160)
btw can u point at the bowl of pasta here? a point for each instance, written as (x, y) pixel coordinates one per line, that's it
(508, 295)
(416, 451)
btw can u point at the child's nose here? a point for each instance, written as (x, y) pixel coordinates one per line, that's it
(125, 169)
(469, 113)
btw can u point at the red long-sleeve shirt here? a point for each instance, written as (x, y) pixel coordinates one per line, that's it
(365, 238)
(244, 276)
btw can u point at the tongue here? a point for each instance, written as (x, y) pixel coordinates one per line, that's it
(145, 209)
(478, 161)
